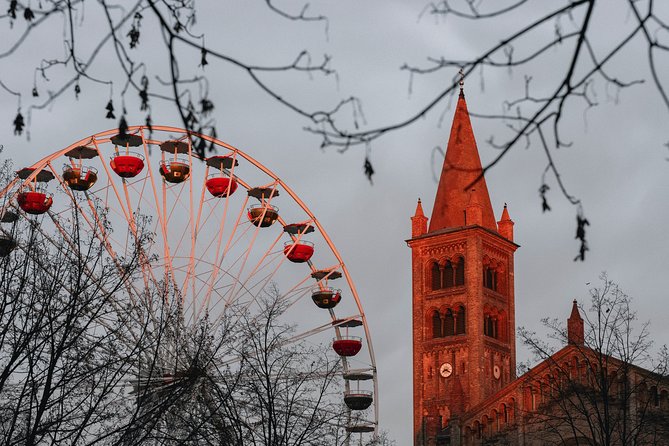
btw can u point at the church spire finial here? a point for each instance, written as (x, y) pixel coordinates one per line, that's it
(462, 82)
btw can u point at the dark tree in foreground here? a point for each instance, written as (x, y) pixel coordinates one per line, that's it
(613, 386)
(595, 49)
(134, 56)
(61, 360)
(117, 54)
(285, 393)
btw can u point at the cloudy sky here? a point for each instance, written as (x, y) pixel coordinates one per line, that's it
(617, 163)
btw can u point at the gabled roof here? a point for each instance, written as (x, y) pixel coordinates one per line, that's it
(547, 365)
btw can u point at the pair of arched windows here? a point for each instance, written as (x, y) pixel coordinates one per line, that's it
(490, 326)
(490, 278)
(450, 275)
(493, 326)
(450, 323)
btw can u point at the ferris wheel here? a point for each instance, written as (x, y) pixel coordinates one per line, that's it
(212, 237)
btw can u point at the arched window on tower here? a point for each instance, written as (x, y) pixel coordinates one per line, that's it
(449, 278)
(460, 272)
(490, 278)
(460, 321)
(436, 276)
(490, 326)
(436, 325)
(452, 274)
(655, 396)
(449, 323)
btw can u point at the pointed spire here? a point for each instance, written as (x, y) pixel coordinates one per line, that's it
(575, 329)
(461, 177)
(505, 225)
(418, 221)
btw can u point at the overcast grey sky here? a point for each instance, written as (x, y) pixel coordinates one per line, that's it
(617, 163)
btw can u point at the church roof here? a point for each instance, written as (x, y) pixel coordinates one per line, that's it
(461, 181)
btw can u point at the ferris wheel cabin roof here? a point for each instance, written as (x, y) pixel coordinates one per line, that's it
(298, 228)
(174, 147)
(358, 376)
(263, 192)
(43, 176)
(82, 152)
(347, 323)
(221, 162)
(329, 274)
(127, 140)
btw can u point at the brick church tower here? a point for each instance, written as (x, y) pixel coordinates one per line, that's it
(463, 298)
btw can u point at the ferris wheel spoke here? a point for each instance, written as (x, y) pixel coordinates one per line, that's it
(95, 278)
(108, 176)
(232, 242)
(160, 212)
(234, 282)
(128, 214)
(298, 291)
(188, 233)
(293, 295)
(233, 293)
(96, 224)
(216, 236)
(221, 256)
(71, 196)
(259, 264)
(166, 224)
(322, 328)
(195, 226)
(133, 293)
(247, 252)
(201, 201)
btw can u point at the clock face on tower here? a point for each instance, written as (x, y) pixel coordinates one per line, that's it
(445, 370)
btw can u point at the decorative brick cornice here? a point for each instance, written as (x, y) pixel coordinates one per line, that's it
(441, 250)
(495, 252)
(493, 297)
(457, 291)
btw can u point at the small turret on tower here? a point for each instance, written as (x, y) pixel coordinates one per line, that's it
(418, 221)
(505, 225)
(575, 332)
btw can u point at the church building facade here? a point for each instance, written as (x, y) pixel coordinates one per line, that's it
(465, 387)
